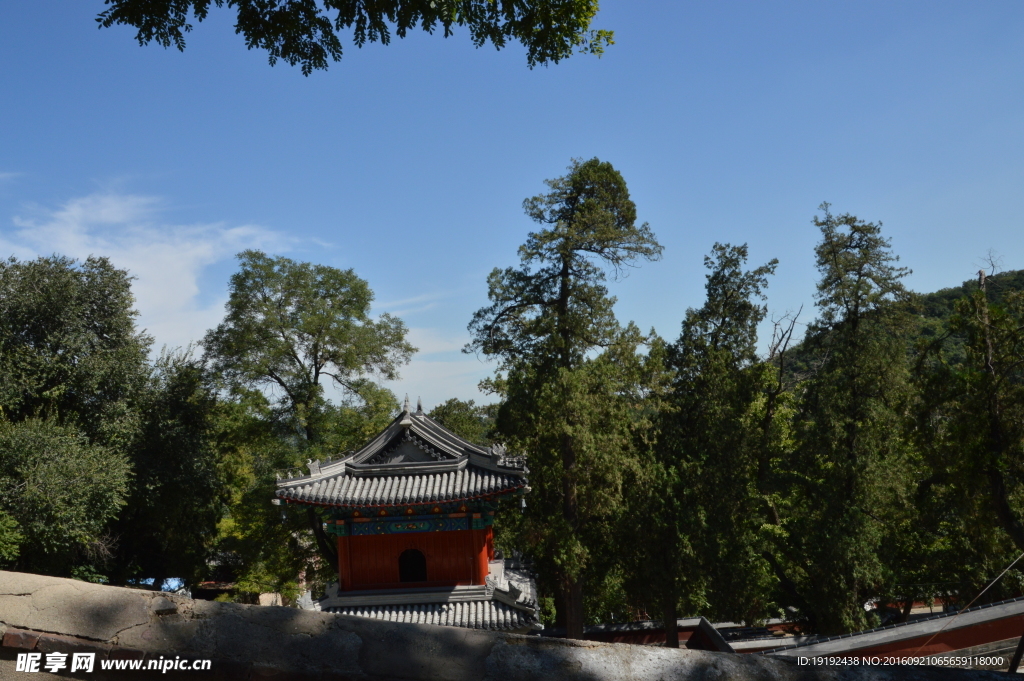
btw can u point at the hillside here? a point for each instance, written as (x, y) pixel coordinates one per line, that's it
(934, 309)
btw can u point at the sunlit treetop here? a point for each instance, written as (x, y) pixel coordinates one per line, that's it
(308, 32)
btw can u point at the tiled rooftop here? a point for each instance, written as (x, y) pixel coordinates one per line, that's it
(413, 461)
(482, 614)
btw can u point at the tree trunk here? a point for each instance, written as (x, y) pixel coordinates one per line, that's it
(907, 607)
(560, 609)
(572, 594)
(671, 623)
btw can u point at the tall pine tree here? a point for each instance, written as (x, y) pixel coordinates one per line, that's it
(568, 365)
(707, 512)
(851, 470)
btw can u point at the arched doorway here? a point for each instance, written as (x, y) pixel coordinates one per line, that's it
(412, 566)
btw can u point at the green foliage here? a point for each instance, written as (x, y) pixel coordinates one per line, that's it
(852, 468)
(61, 490)
(10, 538)
(290, 325)
(560, 311)
(971, 434)
(942, 303)
(72, 373)
(708, 466)
(69, 349)
(466, 419)
(261, 547)
(178, 493)
(570, 372)
(307, 33)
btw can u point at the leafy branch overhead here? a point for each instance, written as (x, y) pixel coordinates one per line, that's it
(307, 32)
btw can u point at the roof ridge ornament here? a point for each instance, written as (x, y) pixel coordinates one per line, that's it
(419, 405)
(406, 420)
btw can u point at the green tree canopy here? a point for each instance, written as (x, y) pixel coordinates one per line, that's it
(970, 432)
(708, 457)
(466, 419)
(986, 423)
(852, 468)
(559, 311)
(307, 33)
(289, 326)
(69, 349)
(568, 408)
(61, 490)
(72, 374)
(178, 492)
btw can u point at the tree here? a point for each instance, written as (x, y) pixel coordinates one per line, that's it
(290, 326)
(72, 373)
(261, 547)
(707, 511)
(61, 491)
(69, 349)
(466, 419)
(988, 422)
(308, 33)
(562, 403)
(853, 468)
(10, 538)
(169, 524)
(970, 429)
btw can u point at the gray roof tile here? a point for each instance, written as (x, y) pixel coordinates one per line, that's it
(482, 614)
(415, 489)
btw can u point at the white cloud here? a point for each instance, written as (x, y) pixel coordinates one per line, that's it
(406, 306)
(8, 176)
(166, 259)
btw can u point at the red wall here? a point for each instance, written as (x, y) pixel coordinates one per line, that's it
(453, 558)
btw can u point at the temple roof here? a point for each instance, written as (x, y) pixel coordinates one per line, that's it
(483, 614)
(506, 602)
(415, 460)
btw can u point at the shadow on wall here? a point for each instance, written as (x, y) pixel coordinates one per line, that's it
(48, 614)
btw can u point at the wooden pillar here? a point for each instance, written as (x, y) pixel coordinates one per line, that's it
(490, 542)
(344, 564)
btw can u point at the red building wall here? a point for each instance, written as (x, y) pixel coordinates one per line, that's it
(453, 558)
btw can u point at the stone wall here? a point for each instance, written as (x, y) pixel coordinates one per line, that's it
(47, 614)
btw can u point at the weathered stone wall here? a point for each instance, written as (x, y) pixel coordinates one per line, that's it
(46, 614)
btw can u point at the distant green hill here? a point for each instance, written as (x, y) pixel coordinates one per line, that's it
(939, 305)
(934, 309)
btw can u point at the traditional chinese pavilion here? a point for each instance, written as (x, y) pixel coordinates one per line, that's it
(412, 512)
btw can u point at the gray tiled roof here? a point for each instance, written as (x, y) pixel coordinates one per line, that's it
(414, 460)
(458, 485)
(505, 602)
(482, 614)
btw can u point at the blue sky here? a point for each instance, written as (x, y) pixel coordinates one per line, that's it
(731, 121)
